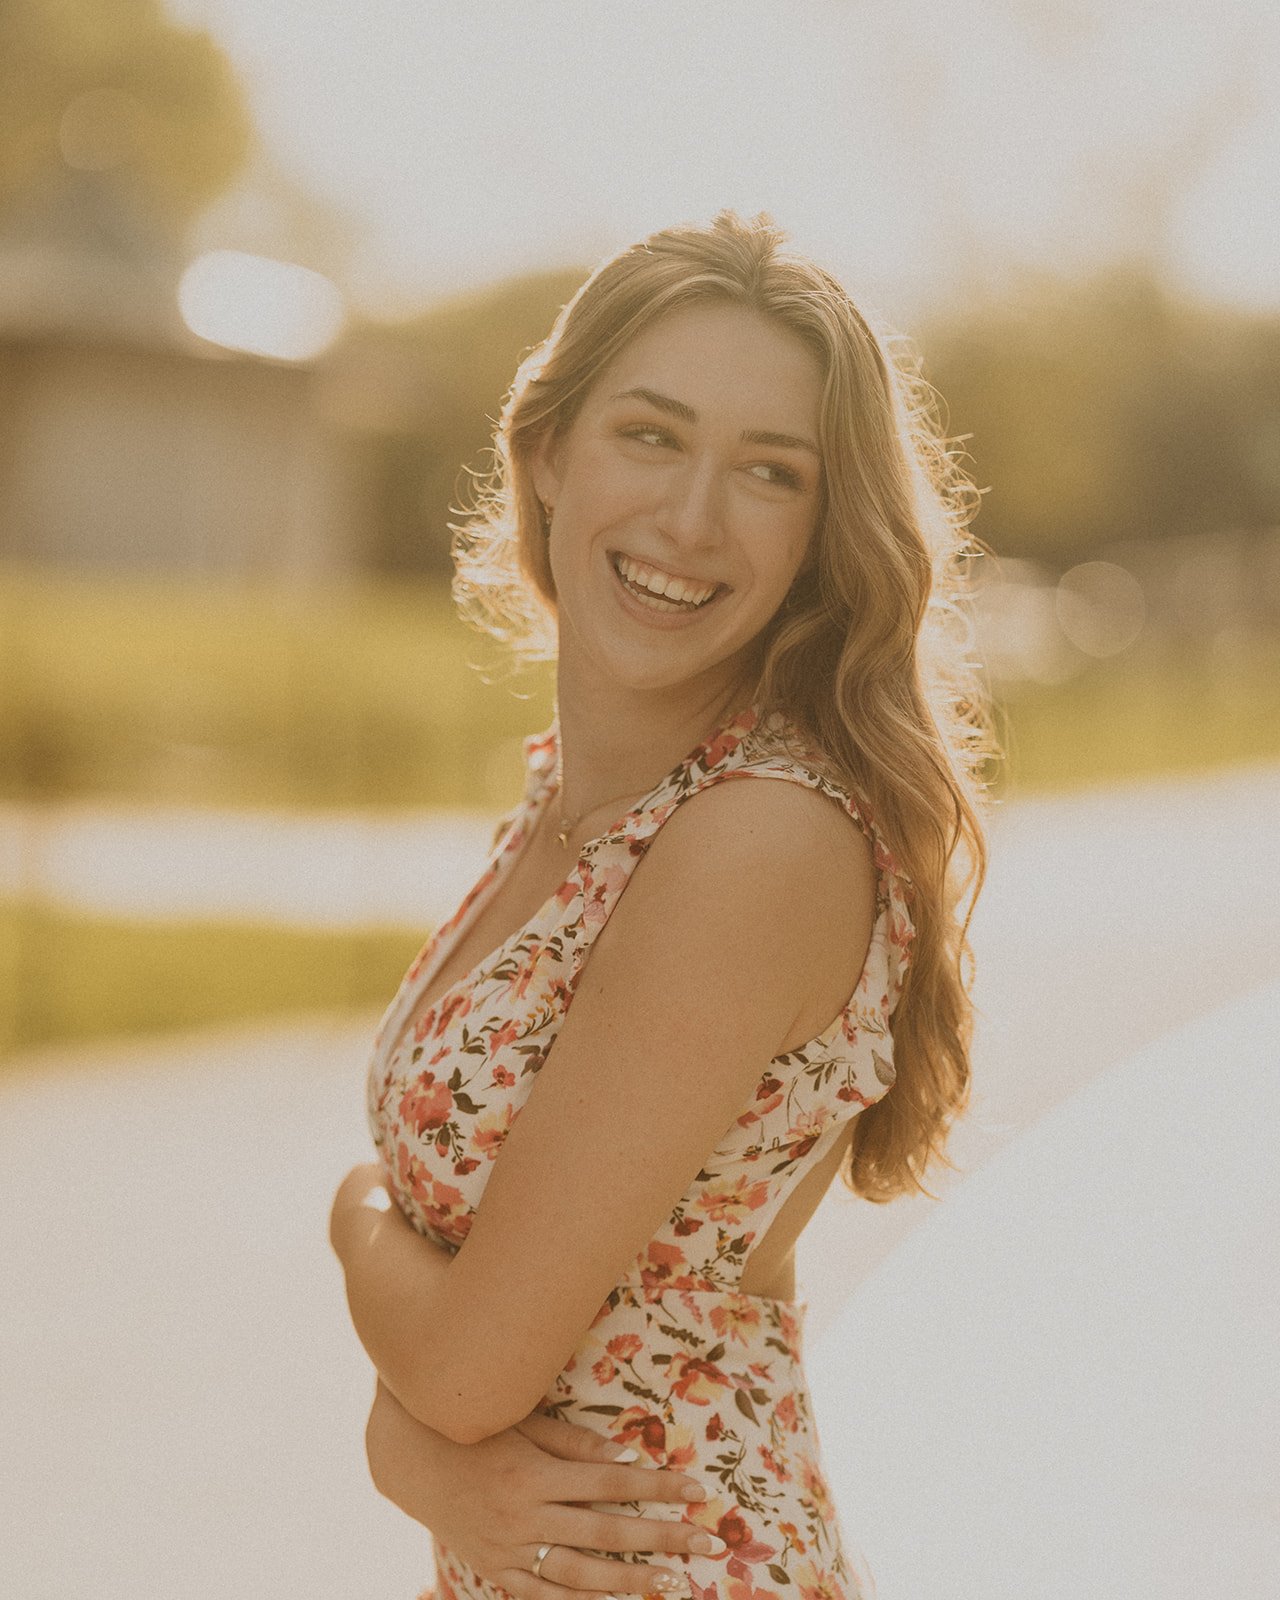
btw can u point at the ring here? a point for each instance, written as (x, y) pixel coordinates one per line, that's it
(541, 1557)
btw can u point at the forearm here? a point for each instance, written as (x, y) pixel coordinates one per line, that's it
(393, 1281)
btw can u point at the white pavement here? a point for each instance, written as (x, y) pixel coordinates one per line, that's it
(1064, 1385)
(182, 1403)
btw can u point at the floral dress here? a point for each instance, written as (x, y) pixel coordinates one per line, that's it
(678, 1362)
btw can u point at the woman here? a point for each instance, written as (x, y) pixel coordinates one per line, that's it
(729, 516)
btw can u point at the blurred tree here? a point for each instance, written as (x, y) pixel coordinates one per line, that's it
(452, 366)
(114, 85)
(1106, 410)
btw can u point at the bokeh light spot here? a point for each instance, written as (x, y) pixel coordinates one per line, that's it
(269, 308)
(1100, 607)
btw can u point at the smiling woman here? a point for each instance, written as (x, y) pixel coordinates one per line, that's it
(613, 1088)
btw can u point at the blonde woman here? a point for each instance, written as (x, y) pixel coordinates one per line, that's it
(613, 1088)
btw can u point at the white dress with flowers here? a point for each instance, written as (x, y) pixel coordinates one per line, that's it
(678, 1362)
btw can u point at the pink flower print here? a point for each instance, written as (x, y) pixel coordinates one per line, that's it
(601, 891)
(768, 1097)
(848, 1093)
(424, 1025)
(641, 1428)
(729, 1199)
(464, 1165)
(604, 1371)
(507, 1034)
(735, 1322)
(694, 1379)
(773, 1465)
(491, 1129)
(446, 1212)
(736, 1532)
(807, 1129)
(724, 744)
(680, 1450)
(791, 1534)
(815, 1585)
(457, 1005)
(816, 1492)
(626, 1346)
(658, 1262)
(414, 1179)
(503, 1078)
(692, 1307)
(901, 933)
(785, 1412)
(743, 1589)
(427, 1103)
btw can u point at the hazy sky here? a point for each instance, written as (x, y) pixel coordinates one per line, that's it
(921, 150)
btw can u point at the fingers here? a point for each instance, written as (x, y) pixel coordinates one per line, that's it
(579, 1482)
(572, 1575)
(582, 1529)
(567, 1440)
(609, 1481)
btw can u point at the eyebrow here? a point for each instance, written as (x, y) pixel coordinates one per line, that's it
(677, 408)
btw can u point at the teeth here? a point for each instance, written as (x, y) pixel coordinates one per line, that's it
(660, 583)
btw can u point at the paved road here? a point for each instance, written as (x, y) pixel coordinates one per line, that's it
(182, 1401)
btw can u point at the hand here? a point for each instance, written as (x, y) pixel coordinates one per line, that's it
(362, 1193)
(493, 1503)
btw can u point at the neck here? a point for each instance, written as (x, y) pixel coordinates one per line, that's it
(616, 742)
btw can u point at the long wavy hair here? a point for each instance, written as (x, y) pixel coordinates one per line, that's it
(871, 652)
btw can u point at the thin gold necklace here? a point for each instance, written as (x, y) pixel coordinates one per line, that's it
(568, 824)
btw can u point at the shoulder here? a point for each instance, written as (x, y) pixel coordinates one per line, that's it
(772, 818)
(756, 872)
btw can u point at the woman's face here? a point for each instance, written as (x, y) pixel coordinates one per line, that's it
(694, 456)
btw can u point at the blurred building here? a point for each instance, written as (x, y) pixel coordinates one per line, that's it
(126, 440)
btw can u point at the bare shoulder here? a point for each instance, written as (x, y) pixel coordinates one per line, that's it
(778, 830)
(754, 873)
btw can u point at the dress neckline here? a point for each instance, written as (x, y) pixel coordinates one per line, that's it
(718, 745)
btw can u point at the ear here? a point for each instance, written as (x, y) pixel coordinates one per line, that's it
(544, 468)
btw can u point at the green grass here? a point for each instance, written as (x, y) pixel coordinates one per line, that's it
(167, 690)
(1159, 709)
(68, 977)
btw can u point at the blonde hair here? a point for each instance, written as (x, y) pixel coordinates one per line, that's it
(868, 655)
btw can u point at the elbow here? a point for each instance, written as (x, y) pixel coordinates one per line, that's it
(469, 1408)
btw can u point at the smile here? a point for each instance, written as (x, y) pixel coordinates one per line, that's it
(659, 590)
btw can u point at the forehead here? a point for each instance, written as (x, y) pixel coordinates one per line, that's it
(727, 362)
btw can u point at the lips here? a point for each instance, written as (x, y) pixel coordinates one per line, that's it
(719, 587)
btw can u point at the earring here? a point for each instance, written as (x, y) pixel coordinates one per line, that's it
(548, 512)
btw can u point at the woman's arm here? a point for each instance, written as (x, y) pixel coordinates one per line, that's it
(393, 1274)
(744, 901)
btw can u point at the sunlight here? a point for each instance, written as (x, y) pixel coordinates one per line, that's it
(269, 308)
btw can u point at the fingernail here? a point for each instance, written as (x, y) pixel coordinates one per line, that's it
(707, 1544)
(694, 1491)
(627, 1455)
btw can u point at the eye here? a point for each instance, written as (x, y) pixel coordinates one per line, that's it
(648, 433)
(785, 477)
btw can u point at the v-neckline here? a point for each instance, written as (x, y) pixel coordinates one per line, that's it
(503, 864)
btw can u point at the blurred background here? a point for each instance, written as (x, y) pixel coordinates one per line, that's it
(266, 272)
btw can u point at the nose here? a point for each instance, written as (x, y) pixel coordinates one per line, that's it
(691, 512)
